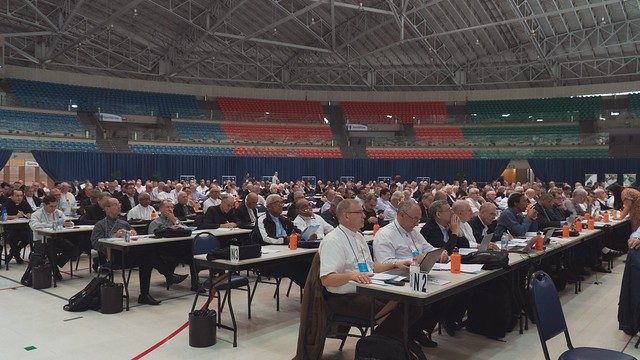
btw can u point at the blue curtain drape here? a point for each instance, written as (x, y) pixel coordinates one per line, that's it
(100, 166)
(572, 170)
(5, 155)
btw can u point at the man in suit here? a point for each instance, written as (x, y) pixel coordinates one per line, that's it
(485, 222)
(292, 213)
(426, 200)
(130, 198)
(112, 189)
(443, 229)
(370, 216)
(18, 236)
(275, 229)
(221, 216)
(95, 212)
(247, 213)
(330, 215)
(30, 197)
(182, 210)
(547, 217)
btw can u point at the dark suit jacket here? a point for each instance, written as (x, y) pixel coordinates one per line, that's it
(546, 217)
(92, 214)
(477, 226)
(425, 214)
(331, 218)
(242, 213)
(214, 217)
(181, 213)
(125, 205)
(431, 232)
(292, 213)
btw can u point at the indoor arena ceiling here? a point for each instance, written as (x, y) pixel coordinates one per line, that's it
(331, 44)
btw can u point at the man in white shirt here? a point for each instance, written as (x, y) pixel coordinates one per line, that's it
(143, 210)
(67, 196)
(173, 194)
(214, 198)
(156, 190)
(202, 188)
(400, 241)
(274, 178)
(307, 218)
(345, 258)
(463, 210)
(391, 211)
(475, 200)
(383, 199)
(329, 195)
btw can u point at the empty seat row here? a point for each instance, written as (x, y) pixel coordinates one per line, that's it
(16, 121)
(60, 96)
(181, 150)
(244, 109)
(199, 131)
(288, 152)
(572, 153)
(273, 133)
(394, 112)
(19, 144)
(555, 109)
(419, 154)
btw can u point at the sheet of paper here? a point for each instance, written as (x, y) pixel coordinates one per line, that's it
(466, 251)
(379, 282)
(269, 251)
(439, 282)
(465, 268)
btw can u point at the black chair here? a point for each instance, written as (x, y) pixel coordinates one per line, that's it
(343, 325)
(255, 238)
(550, 322)
(204, 243)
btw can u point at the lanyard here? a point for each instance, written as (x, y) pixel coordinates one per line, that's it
(364, 257)
(407, 235)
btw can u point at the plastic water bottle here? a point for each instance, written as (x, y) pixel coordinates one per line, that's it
(3, 214)
(127, 236)
(503, 241)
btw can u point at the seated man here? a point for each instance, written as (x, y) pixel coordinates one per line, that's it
(130, 197)
(221, 216)
(95, 212)
(18, 236)
(370, 216)
(425, 201)
(391, 211)
(463, 210)
(330, 215)
(146, 258)
(214, 198)
(513, 221)
(182, 210)
(292, 213)
(142, 211)
(400, 241)
(547, 217)
(247, 213)
(275, 229)
(307, 218)
(485, 222)
(345, 257)
(443, 229)
(45, 218)
(475, 200)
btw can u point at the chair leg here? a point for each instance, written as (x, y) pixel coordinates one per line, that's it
(224, 300)
(249, 301)
(278, 281)
(219, 306)
(289, 289)
(253, 293)
(637, 343)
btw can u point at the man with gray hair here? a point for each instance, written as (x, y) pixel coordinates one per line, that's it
(292, 213)
(214, 198)
(577, 204)
(95, 212)
(221, 216)
(143, 210)
(345, 258)
(330, 215)
(391, 211)
(475, 200)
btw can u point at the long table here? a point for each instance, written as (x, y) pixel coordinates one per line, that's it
(458, 283)
(148, 240)
(272, 254)
(48, 234)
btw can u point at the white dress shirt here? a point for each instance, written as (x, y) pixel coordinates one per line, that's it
(390, 213)
(382, 204)
(392, 243)
(468, 233)
(140, 212)
(340, 252)
(302, 223)
(475, 205)
(43, 220)
(210, 202)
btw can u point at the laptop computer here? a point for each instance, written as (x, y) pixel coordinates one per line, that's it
(527, 248)
(427, 263)
(486, 240)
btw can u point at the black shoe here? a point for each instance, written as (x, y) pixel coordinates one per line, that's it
(175, 279)
(422, 339)
(600, 269)
(147, 299)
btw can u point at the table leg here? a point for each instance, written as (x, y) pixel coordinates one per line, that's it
(125, 279)
(233, 316)
(52, 257)
(4, 247)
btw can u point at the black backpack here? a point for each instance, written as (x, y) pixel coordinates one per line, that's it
(491, 260)
(89, 297)
(495, 323)
(37, 257)
(380, 347)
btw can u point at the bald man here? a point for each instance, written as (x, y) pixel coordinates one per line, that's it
(247, 213)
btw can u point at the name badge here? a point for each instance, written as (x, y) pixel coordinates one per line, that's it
(415, 253)
(362, 267)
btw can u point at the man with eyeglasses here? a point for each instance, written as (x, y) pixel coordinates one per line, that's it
(345, 257)
(221, 216)
(399, 243)
(443, 229)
